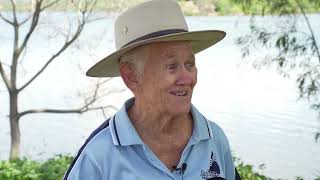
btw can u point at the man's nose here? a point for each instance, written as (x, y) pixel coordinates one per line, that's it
(185, 77)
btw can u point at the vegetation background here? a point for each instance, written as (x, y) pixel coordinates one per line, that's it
(189, 7)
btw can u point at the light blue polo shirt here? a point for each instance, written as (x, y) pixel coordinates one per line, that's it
(116, 152)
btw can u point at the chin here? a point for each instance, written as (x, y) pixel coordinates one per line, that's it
(181, 109)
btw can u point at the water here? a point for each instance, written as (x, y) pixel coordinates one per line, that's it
(258, 110)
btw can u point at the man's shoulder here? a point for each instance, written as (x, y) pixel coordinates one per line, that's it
(218, 133)
(93, 150)
(100, 140)
(99, 143)
(216, 129)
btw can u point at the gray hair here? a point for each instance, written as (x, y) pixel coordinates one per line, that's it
(137, 57)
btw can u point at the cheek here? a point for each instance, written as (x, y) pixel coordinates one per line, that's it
(195, 77)
(156, 84)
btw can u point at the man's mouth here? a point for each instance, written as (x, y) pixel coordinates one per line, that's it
(179, 93)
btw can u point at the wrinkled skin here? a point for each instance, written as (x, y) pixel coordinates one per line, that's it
(163, 91)
(168, 79)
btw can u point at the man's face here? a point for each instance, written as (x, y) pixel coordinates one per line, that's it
(168, 78)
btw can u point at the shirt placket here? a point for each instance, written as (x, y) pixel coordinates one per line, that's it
(155, 161)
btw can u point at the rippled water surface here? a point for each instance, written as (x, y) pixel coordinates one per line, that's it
(258, 110)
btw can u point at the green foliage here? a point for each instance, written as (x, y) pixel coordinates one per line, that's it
(19, 169)
(198, 8)
(227, 7)
(277, 7)
(115, 6)
(190, 7)
(247, 172)
(317, 136)
(257, 7)
(294, 50)
(54, 169)
(25, 169)
(111, 6)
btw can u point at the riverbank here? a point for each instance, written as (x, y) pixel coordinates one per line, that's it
(189, 7)
(54, 168)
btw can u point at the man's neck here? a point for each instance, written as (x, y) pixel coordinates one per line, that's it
(150, 122)
(167, 135)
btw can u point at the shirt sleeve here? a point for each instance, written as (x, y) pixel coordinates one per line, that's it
(85, 168)
(229, 166)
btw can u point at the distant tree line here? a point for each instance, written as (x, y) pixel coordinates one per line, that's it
(190, 7)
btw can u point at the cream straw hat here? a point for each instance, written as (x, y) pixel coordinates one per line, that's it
(151, 21)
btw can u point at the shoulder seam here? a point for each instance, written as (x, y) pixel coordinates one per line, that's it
(103, 126)
(93, 162)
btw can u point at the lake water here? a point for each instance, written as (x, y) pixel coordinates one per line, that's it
(258, 110)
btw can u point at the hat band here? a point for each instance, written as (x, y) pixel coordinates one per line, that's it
(155, 34)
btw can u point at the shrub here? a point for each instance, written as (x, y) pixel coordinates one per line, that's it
(25, 169)
(54, 169)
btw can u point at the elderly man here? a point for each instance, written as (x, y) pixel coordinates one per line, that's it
(158, 134)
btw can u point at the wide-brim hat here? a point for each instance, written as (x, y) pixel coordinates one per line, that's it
(148, 22)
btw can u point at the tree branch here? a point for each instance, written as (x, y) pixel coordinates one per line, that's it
(5, 77)
(15, 47)
(50, 4)
(94, 97)
(310, 29)
(5, 19)
(103, 107)
(14, 12)
(25, 20)
(18, 49)
(63, 48)
(65, 111)
(86, 106)
(34, 22)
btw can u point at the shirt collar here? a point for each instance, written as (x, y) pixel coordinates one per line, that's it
(122, 130)
(201, 128)
(124, 134)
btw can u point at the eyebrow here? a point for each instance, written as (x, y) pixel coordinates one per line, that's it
(171, 55)
(192, 56)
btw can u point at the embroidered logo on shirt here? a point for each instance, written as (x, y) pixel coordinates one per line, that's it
(213, 172)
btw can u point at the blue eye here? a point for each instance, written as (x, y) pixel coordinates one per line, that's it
(172, 66)
(190, 65)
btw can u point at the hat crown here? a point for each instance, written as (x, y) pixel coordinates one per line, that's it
(146, 18)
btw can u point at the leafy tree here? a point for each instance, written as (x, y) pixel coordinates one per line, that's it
(21, 43)
(283, 43)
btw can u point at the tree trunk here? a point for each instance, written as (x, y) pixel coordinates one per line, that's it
(14, 126)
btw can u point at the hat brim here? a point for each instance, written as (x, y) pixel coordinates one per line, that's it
(200, 40)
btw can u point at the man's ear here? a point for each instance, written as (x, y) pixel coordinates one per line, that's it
(128, 75)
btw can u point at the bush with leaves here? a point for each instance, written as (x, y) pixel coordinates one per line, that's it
(54, 169)
(289, 41)
(25, 169)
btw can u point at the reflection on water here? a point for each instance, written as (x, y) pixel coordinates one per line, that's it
(257, 109)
